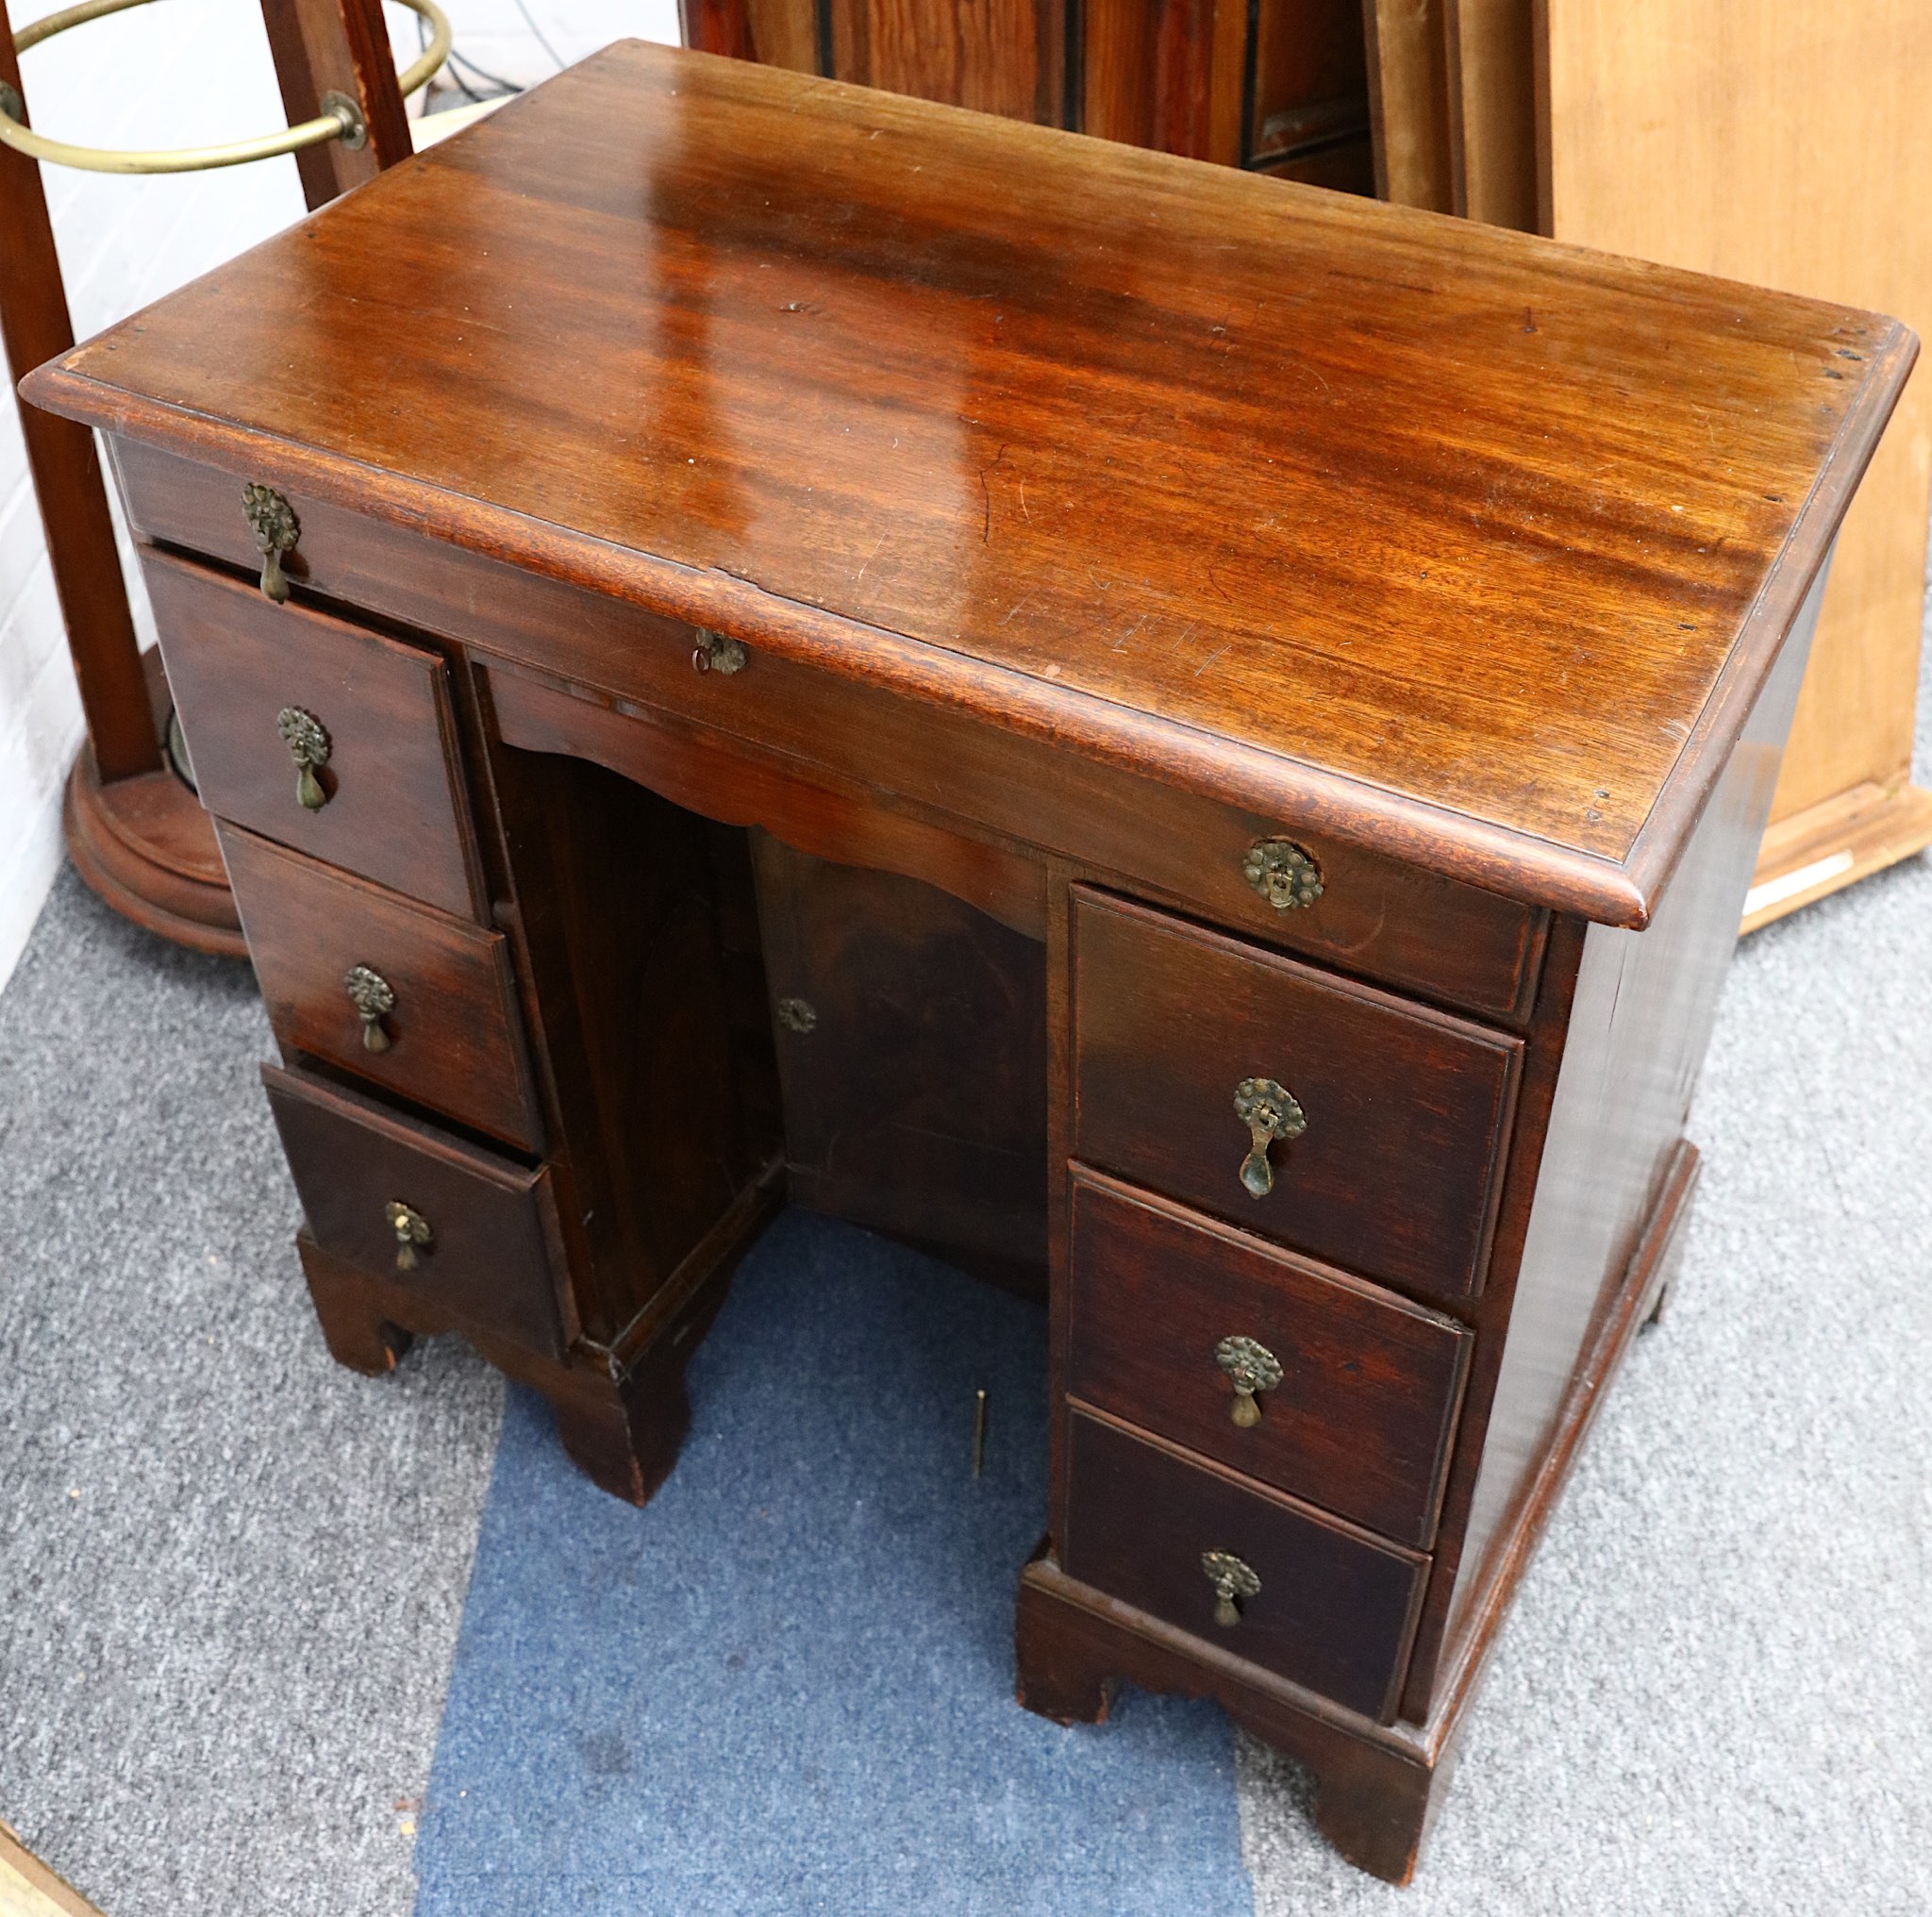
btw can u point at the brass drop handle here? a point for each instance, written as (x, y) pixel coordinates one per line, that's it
(714, 653)
(273, 521)
(1270, 1111)
(308, 746)
(412, 1229)
(1232, 1580)
(373, 998)
(1251, 1369)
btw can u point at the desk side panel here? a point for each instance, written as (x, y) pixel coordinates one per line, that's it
(1639, 1024)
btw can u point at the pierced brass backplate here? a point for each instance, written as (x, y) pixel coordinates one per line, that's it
(1251, 1369)
(273, 521)
(373, 998)
(309, 745)
(1283, 873)
(714, 653)
(1232, 1580)
(412, 1229)
(1269, 1111)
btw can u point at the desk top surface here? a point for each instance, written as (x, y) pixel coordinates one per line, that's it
(1473, 546)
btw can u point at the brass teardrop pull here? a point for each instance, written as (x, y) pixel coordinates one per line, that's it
(412, 1229)
(1232, 1580)
(273, 521)
(373, 998)
(1251, 1369)
(1270, 1112)
(308, 746)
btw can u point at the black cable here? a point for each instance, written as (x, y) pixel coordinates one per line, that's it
(530, 21)
(504, 88)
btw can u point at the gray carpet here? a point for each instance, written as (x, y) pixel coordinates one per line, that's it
(230, 1574)
(220, 1556)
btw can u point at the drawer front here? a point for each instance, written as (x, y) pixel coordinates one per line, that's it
(389, 786)
(1334, 1608)
(1374, 914)
(450, 1037)
(492, 1254)
(1352, 1395)
(1405, 1111)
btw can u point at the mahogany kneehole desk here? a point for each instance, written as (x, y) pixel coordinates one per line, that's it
(1181, 741)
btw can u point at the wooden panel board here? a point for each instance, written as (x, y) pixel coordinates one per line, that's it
(1788, 144)
(1491, 75)
(1166, 73)
(1409, 102)
(1005, 57)
(29, 1888)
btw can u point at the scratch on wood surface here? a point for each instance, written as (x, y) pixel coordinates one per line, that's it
(871, 556)
(986, 487)
(1209, 661)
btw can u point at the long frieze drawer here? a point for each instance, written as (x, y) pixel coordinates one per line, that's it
(1308, 1596)
(413, 1000)
(476, 1233)
(1361, 1128)
(317, 733)
(1301, 1377)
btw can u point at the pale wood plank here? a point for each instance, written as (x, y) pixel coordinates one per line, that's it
(1493, 100)
(1409, 102)
(29, 1888)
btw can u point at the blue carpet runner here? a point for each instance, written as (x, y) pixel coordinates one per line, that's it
(787, 1684)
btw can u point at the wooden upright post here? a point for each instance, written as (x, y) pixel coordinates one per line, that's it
(66, 469)
(135, 829)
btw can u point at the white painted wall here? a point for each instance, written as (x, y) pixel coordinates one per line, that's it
(181, 72)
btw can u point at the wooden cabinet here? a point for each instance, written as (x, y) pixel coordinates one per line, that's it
(1280, 87)
(1103, 715)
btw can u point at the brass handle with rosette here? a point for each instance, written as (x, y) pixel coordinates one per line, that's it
(373, 998)
(273, 521)
(1283, 872)
(1270, 1111)
(1251, 1369)
(1232, 1580)
(412, 1229)
(309, 745)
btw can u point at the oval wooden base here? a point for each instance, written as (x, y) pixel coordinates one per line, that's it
(145, 845)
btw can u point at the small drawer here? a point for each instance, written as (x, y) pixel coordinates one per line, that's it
(1388, 1159)
(450, 1037)
(1312, 1599)
(488, 1250)
(1351, 1392)
(244, 670)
